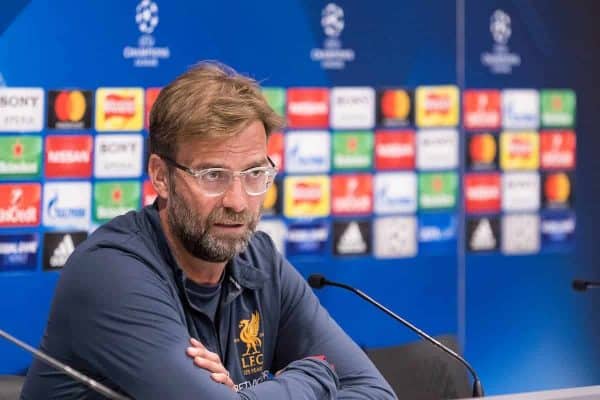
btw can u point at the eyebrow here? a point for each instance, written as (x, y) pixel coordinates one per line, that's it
(254, 164)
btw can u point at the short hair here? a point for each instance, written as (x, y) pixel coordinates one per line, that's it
(209, 100)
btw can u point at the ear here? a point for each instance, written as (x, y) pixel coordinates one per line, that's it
(159, 176)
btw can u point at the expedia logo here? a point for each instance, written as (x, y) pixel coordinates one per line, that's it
(250, 345)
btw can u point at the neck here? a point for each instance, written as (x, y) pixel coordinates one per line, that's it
(200, 271)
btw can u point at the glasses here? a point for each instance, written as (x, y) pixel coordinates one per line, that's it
(216, 181)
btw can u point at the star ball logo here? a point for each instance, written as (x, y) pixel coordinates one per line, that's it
(332, 55)
(146, 54)
(500, 60)
(69, 109)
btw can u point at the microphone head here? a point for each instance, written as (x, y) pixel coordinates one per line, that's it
(317, 281)
(580, 285)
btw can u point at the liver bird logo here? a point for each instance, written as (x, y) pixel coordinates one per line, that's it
(249, 334)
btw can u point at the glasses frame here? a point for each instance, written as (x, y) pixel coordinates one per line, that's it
(197, 173)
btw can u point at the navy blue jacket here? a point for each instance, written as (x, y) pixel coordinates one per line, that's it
(121, 315)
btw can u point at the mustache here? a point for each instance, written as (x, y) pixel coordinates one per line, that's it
(228, 216)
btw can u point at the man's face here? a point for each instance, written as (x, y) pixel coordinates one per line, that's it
(216, 228)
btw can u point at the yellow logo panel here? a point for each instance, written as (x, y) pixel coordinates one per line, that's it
(519, 150)
(119, 109)
(436, 106)
(307, 196)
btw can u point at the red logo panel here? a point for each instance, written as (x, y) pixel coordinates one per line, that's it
(275, 149)
(352, 194)
(151, 95)
(395, 150)
(482, 193)
(308, 108)
(481, 109)
(68, 156)
(20, 205)
(557, 149)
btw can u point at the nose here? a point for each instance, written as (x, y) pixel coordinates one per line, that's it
(235, 196)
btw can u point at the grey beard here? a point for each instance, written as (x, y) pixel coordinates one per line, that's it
(199, 241)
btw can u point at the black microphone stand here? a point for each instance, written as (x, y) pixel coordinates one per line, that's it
(78, 376)
(477, 386)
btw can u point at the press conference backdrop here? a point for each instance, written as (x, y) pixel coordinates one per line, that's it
(439, 155)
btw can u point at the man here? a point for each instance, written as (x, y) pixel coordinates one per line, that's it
(182, 300)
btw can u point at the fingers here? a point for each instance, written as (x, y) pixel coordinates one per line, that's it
(209, 361)
(204, 353)
(210, 366)
(223, 378)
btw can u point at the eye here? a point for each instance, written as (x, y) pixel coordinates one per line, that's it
(214, 175)
(256, 173)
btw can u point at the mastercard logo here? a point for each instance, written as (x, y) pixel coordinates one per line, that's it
(70, 106)
(557, 188)
(482, 148)
(395, 104)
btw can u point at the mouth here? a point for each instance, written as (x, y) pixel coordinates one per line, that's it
(229, 226)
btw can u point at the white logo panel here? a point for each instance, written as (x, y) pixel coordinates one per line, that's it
(521, 234)
(307, 151)
(276, 229)
(67, 204)
(520, 191)
(395, 237)
(437, 149)
(520, 109)
(352, 108)
(21, 109)
(395, 192)
(118, 156)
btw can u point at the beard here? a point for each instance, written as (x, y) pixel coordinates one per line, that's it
(195, 234)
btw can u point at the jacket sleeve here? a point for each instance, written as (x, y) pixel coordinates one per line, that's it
(306, 329)
(125, 326)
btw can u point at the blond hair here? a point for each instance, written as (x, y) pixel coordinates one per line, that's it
(209, 100)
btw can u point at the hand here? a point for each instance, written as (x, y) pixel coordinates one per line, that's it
(209, 361)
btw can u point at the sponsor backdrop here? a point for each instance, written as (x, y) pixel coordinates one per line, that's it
(436, 173)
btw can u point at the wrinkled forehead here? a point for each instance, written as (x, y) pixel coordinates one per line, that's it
(236, 151)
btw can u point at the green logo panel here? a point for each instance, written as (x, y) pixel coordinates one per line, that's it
(352, 150)
(115, 198)
(558, 108)
(20, 156)
(438, 190)
(276, 99)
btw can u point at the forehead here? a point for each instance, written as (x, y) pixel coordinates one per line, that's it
(245, 147)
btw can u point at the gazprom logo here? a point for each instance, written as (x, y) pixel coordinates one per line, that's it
(67, 204)
(307, 152)
(54, 209)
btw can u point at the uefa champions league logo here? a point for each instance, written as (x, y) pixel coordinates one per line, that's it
(146, 54)
(500, 60)
(332, 20)
(332, 55)
(500, 27)
(146, 16)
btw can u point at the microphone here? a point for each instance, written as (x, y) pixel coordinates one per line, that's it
(317, 281)
(582, 285)
(78, 376)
